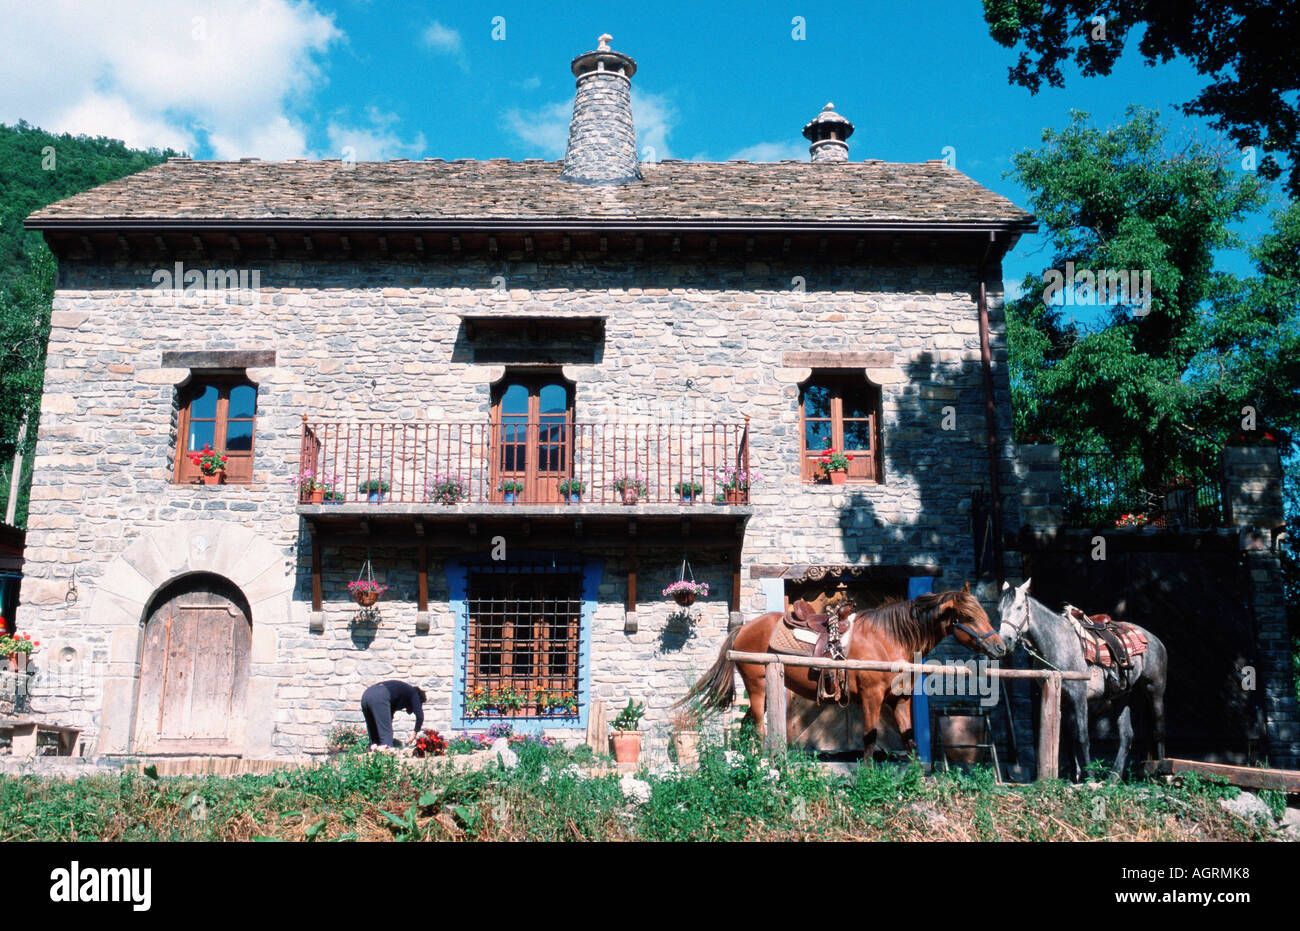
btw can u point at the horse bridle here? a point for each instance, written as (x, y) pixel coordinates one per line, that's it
(978, 638)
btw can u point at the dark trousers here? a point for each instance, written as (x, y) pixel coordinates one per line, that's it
(378, 712)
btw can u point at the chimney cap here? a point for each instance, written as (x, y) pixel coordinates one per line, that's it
(604, 58)
(826, 124)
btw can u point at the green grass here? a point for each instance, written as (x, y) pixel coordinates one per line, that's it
(731, 796)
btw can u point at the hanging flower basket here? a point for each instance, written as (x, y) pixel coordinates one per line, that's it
(366, 592)
(685, 592)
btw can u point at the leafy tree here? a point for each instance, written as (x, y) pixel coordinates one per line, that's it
(1158, 381)
(1246, 47)
(36, 169)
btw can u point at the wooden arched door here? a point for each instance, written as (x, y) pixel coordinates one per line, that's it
(194, 670)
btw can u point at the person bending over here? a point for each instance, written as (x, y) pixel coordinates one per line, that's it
(380, 701)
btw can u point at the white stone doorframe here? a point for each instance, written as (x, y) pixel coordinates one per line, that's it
(157, 558)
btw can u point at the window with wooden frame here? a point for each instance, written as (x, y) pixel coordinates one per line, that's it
(219, 410)
(532, 417)
(840, 409)
(524, 643)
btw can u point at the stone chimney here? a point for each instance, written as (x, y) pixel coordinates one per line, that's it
(827, 132)
(602, 139)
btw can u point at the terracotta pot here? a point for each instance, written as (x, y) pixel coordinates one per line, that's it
(213, 479)
(839, 476)
(627, 746)
(630, 496)
(318, 496)
(736, 497)
(685, 599)
(686, 747)
(13, 662)
(366, 599)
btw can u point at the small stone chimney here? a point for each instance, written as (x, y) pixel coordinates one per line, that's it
(602, 139)
(828, 133)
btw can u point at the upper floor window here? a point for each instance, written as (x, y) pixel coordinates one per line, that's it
(218, 411)
(840, 409)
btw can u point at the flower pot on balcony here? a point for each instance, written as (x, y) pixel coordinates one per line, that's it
(575, 499)
(684, 598)
(735, 496)
(213, 478)
(511, 497)
(318, 496)
(13, 661)
(631, 496)
(839, 476)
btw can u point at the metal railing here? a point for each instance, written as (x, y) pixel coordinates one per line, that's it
(1100, 488)
(556, 462)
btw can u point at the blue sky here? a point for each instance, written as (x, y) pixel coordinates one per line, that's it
(291, 78)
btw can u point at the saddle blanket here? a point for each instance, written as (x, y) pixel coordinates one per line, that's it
(794, 640)
(1096, 652)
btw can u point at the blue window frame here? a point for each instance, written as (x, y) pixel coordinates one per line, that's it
(463, 575)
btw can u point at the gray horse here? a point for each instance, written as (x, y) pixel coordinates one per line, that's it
(1054, 638)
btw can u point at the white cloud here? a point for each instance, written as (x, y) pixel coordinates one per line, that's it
(101, 115)
(164, 73)
(546, 128)
(773, 151)
(445, 41)
(374, 142)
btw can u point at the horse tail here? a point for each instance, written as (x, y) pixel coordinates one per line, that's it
(716, 689)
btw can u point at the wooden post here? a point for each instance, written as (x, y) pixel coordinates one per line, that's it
(315, 568)
(597, 728)
(776, 709)
(423, 577)
(1049, 728)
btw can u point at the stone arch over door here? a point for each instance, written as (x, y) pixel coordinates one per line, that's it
(126, 593)
(194, 668)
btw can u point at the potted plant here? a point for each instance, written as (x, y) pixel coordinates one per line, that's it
(17, 649)
(1132, 521)
(632, 488)
(686, 736)
(511, 489)
(374, 490)
(689, 491)
(734, 485)
(627, 739)
(572, 490)
(686, 591)
(481, 702)
(559, 704)
(446, 489)
(835, 463)
(311, 488)
(210, 464)
(333, 497)
(366, 592)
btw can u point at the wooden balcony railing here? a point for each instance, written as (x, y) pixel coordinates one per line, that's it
(553, 462)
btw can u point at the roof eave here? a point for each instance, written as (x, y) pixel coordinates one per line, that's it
(494, 224)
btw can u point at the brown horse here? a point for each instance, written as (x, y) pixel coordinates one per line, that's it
(896, 632)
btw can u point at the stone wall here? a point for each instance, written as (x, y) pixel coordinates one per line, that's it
(685, 339)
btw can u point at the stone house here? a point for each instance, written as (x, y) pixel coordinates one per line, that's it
(480, 359)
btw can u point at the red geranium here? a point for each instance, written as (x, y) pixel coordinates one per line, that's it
(208, 460)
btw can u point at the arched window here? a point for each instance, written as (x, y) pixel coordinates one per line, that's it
(218, 411)
(840, 409)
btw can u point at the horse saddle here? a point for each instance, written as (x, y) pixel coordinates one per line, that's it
(1106, 642)
(804, 631)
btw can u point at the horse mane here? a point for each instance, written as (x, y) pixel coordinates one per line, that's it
(918, 624)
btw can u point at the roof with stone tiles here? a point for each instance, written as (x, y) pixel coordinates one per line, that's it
(762, 193)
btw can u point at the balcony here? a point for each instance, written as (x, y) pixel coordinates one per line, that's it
(542, 484)
(545, 464)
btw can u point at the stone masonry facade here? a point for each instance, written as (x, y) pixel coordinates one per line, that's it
(686, 338)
